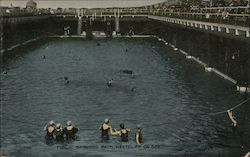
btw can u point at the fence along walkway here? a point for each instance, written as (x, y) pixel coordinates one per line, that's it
(205, 25)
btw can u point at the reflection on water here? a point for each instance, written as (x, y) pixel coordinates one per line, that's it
(172, 100)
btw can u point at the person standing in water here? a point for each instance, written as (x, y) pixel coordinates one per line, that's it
(70, 131)
(138, 135)
(50, 129)
(105, 129)
(123, 133)
(59, 133)
(236, 129)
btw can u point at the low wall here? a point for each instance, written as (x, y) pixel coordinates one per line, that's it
(226, 53)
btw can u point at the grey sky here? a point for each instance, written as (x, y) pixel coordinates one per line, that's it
(81, 3)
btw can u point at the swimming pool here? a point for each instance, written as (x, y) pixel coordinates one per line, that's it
(173, 100)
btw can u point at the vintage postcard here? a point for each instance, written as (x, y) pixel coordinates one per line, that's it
(124, 78)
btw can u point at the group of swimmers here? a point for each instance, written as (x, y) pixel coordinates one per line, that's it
(57, 132)
(123, 132)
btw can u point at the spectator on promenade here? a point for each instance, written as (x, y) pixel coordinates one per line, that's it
(225, 14)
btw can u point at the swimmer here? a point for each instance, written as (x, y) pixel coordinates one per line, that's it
(44, 57)
(70, 131)
(66, 80)
(133, 89)
(109, 83)
(138, 135)
(123, 133)
(232, 118)
(105, 128)
(5, 72)
(50, 129)
(236, 128)
(59, 132)
(128, 71)
(98, 44)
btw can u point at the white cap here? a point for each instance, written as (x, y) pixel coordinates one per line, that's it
(106, 120)
(139, 126)
(58, 125)
(51, 122)
(69, 123)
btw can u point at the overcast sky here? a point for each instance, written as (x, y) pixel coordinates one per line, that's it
(81, 3)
